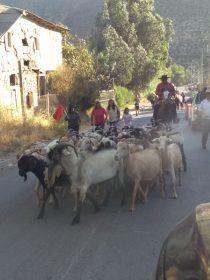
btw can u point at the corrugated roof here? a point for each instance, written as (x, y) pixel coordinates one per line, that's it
(9, 15)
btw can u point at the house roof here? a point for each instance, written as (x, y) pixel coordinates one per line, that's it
(9, 15)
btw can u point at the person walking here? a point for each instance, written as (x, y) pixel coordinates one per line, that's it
(137, 104)
(204, 109)
(73, 118)
(98, 116)
(113, 113)
(127, 118)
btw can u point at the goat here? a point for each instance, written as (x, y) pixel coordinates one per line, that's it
(172, 159)
(84, 172)
(145, 165)
(178, 138)
(46, 174)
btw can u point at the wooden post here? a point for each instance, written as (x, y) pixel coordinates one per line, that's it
(22, 98)
(48, 103)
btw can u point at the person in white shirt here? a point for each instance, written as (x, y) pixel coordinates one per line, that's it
(204, 110)
(127, 118)
(113, 113)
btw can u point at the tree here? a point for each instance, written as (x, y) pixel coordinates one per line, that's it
(179, 75)
(132, 40)
(76, 80)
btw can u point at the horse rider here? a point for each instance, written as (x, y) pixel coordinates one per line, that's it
(164, 91)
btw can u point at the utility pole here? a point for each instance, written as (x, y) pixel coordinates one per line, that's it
(201, 70)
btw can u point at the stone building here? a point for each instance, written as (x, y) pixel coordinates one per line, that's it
(30, 48)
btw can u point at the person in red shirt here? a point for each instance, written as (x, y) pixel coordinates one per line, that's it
(163, 87)
(98, 115)
(164, 91)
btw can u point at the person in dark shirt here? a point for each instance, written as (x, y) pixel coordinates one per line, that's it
(201, 95)
(73, 118)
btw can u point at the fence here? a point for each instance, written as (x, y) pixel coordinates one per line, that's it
(47, 104)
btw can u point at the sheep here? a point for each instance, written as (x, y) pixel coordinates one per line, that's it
(84, 172)
(145, 165)
(172, 159)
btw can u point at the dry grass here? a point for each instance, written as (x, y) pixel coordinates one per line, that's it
(14, 133)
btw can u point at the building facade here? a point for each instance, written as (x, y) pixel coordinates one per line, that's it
(30, 48)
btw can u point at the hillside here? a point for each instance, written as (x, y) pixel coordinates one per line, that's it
(191, 19)
(78, 15)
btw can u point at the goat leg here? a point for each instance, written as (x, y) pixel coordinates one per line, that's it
(162, 185)
(93, 201)
(46, 195)
(174, 183)
(183, 157)
(107, 196)
(52, 191)
(135, 189)
(123, 200)
(76, 218)
(179, 174)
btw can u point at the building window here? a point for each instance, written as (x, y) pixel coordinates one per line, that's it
(25, 42)
(14, 79)
(26, 63)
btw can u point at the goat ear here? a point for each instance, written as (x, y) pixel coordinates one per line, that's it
(32, 162)
(169, 141)
(154, 140)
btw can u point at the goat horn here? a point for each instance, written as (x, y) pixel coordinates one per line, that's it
(173, 133)
(65, 145)
(75, 150)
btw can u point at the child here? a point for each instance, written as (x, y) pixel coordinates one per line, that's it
(73, 118)
(127, 118)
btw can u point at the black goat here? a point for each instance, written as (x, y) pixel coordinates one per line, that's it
(31, 163)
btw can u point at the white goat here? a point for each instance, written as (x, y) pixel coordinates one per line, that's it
(84, 172)
(172, 159)
(145, 165)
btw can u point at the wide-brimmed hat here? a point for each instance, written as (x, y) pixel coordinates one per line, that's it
(164, 77)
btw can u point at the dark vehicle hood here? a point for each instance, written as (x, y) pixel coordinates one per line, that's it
(185, 254)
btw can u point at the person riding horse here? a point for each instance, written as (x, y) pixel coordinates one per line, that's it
(165, 108)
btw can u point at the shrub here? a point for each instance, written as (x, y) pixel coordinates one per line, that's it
(124, 96)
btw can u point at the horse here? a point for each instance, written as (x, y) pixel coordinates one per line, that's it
(165, 112)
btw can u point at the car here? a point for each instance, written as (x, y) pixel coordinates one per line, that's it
(194, 117)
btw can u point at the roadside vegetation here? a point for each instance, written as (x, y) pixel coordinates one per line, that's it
(14, 133)
(128, 50)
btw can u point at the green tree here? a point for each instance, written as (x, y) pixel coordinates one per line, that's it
(132, 40)
(179, 75)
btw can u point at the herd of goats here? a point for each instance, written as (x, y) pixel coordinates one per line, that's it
(130, 159)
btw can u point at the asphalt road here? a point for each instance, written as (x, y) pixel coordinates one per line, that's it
(113, 244)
